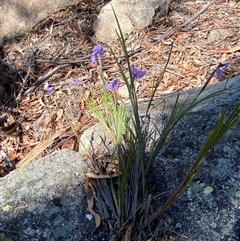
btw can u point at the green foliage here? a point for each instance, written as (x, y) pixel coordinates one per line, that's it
(128, 191)
(112, 116)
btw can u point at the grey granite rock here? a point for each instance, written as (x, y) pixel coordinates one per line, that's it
(17, 17)
(95, 140)
(131, 14)
(45, 200)
(210, 208)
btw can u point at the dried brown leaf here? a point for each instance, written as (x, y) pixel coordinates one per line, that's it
(90, 203)
(113, 69)
(59, 114)
(46, 121)
(41, 102)
(37, 150)
(227, 51)
(68, 144)
(127, 234)
(100, 176)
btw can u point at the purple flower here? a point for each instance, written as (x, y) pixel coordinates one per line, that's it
(137, 73)
(49, 89)
(113, 85)
(75, 82)
(219, 71)
(97, 50)
(221, 65)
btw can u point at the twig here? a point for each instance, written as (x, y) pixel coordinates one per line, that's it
(76, 61)
(61, 65)
(83, 59)
(197, 14)
(19, 231)
(172, 231)
(42, 79)
(24, 81)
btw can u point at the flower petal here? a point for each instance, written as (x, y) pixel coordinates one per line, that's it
(49, 89)
(225, 64)
(115, 84)
(133, 70)
(98, 49)
(137, 73)
(141, 73)
(219, 73)
(108, 86)
(93, 58)
(75, 82)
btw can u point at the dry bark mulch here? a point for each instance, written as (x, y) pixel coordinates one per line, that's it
(57, 51)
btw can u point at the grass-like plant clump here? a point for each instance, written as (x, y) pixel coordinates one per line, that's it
(121, 196)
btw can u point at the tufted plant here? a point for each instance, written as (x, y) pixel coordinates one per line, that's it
(122, 198)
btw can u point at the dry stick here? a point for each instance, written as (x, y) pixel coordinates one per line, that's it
(24, 81)
(42, 79)
(83, 59)
(76, 61)
(61, 65)
(197, 14)
(19, 231)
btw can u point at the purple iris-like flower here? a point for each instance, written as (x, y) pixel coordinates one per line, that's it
(113, 85)
(137, 73)
(219, 72)
(221, 65)
(75, 82)
(49, 89)
(97, 50)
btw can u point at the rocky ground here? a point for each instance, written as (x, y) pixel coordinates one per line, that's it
(35, 123)
(57, 51)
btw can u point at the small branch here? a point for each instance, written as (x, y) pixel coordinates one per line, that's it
(85, 58)
(41, 80)
(174, 30)
(61, 65)
(24, 81)
(197, 14)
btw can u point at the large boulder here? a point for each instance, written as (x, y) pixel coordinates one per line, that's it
(17, 17)
(46, 200)
(209, 210)
(131, 15)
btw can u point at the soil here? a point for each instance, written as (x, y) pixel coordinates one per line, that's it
(57, 51)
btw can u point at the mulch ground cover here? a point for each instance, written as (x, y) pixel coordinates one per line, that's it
(57, 51)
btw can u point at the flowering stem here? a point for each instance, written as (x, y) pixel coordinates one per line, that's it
(100, 71)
